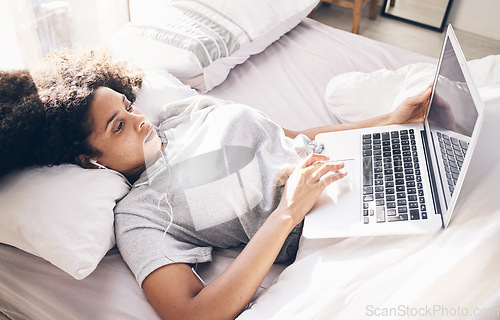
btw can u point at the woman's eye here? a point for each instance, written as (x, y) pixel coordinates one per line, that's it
(119, 127)
(130, 108)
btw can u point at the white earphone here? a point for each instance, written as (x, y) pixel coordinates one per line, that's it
(95, 163)
(100, 166)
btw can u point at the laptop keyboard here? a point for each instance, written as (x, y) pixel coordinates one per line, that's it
(392, 183)
(453, 152)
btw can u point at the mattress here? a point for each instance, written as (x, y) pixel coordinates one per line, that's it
(287, 82)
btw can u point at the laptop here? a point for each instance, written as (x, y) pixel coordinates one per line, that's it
(404, 179)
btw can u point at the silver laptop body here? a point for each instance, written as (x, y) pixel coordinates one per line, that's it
(404, 179)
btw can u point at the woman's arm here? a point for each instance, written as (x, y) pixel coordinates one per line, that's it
(413, 109)
(175, 292)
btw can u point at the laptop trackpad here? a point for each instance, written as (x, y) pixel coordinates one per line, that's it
(339, 207)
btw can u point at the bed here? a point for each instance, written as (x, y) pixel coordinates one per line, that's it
(451, 273)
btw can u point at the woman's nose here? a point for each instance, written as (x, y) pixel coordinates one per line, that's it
(140, 121)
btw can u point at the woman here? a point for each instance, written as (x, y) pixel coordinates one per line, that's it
(266, 179)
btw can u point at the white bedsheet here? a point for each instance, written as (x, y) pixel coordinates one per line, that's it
(330, 278)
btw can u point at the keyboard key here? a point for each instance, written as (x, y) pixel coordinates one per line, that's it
(414, 214)
(409, 171)
(400, 182)
(412, 197)
(380, 214)
(367, 171)
(401, 217)
(368, 197)
(390, 197)
(367, 190)
(391, 212)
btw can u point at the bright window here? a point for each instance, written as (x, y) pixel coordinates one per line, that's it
(30, 29)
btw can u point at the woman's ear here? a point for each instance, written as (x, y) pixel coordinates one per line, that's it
(84, 161)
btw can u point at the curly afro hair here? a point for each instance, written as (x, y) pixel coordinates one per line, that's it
(22, 120)
(53, 106)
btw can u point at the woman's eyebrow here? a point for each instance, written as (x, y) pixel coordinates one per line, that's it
(111, 120)
(124, 98)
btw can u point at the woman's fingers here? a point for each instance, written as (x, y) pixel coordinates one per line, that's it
(329, 179)
(313, 158)
(317, 170)
(326, 168)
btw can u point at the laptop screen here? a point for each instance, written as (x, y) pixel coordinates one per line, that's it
(451, 119)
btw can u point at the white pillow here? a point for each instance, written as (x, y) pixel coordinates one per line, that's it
(64, 213)
(199, 42)
(159, 88)
(355, 96)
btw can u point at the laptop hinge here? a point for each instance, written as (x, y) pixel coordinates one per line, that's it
(432, 180)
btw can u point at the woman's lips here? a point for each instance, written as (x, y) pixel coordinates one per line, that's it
(151, 134)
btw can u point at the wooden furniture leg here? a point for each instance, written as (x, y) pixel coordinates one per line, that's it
(357, 8)
(356, 15)
(372, 10)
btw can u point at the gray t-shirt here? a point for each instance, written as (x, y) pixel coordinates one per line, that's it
(221, 175)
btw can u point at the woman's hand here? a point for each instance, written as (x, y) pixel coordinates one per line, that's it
(413, 109)
(307, 182)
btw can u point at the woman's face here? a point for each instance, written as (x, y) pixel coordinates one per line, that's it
(126, 140)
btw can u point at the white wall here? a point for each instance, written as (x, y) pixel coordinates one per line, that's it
(480, 17)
